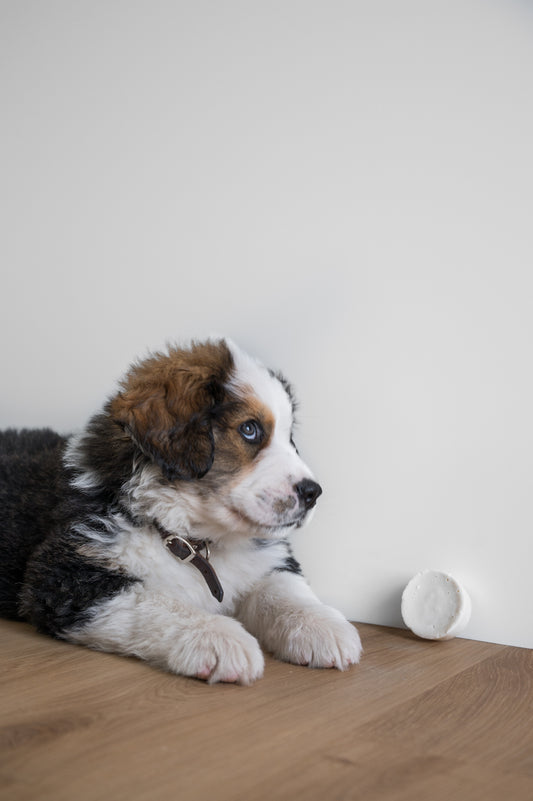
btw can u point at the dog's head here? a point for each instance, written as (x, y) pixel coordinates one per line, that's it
(216, 426)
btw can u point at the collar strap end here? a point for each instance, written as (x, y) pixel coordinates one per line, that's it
(183, 550)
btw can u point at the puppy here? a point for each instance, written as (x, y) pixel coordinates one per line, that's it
(161, 530)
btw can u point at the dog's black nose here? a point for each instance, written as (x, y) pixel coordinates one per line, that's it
(308, 491)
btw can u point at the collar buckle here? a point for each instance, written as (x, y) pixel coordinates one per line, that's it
(185, 551)
(180, 548)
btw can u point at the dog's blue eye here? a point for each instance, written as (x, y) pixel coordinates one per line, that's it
(251, 431)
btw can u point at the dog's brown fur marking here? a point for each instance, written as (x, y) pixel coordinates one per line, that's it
(166, 405)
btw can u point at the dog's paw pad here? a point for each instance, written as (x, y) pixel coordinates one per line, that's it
(204, 673)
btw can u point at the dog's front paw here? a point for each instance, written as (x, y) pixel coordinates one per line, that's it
(318, 636)
(218, 650)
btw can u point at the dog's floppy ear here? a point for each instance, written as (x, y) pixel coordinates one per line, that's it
(167, 405)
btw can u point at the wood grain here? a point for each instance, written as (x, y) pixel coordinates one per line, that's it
(416, 720)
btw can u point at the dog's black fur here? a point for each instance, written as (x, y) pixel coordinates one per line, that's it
(30, 493)
(43, 579)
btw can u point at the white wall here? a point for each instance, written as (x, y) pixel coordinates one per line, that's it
(345, 188)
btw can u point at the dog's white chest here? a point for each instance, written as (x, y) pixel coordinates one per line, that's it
(141, 553)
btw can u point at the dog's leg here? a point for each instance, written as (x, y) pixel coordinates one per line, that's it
(291, 623)
(172, 635)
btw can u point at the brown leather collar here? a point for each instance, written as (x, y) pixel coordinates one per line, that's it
(187, 550)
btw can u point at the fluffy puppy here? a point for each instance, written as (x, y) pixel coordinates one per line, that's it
(161, 530)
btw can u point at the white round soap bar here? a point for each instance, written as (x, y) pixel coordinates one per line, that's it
(435, 606)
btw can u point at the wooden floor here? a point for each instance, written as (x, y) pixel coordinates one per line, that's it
(416, 720)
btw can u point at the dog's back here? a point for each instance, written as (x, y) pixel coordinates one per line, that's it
(30, 469)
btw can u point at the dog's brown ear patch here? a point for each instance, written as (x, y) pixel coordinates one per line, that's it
(167, 404)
